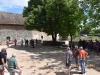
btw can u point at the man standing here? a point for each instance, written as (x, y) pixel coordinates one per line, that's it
(15, 42)
(76, 56)
(82, 56)
(22, 42)
(7, 43)
(26, 42)
(13, 65)
(68, 59)
(3, 50)
(2, 63)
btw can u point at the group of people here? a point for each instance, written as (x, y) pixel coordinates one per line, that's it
(8, 42)
(79, 54)
(9, 63)
(90, 45)
(26, 41)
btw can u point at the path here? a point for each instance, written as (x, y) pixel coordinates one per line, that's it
(48, 61)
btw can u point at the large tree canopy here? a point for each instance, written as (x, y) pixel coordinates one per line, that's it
(92, 10)
(54, 17)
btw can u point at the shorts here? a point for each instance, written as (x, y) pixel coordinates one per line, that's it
(77, 60)
(69, 63)
(1, 67)
(14, 71)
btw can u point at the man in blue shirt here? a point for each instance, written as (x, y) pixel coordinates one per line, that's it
(68, 59)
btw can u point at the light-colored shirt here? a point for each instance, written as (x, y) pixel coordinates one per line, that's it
(11, 63)
(69, 54)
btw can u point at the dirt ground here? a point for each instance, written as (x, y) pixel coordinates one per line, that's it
(45, 60)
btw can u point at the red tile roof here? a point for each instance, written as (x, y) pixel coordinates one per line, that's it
(11, 18)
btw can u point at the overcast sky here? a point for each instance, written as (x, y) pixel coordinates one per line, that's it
(14, 6)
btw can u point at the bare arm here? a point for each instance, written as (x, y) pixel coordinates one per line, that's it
(18, 67)
(6, 56)
(86, 54)
(4, 63)
(67, 57)
(80, 56)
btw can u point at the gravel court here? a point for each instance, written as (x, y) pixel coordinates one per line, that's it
(45, 60)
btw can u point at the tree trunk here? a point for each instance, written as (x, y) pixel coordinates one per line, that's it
(71, 41)
(70, 35)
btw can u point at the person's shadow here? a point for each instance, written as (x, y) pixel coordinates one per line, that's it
(65, 73)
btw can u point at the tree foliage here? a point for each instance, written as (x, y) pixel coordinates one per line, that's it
(54, 17)
(92, 9)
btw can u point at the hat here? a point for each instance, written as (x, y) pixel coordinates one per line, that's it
(68, 48)
(81, 47)
(14, 55)
(76, 46)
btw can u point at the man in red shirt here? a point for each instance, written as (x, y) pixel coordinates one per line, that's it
(82, 55)
(7, 43)
(15, 41)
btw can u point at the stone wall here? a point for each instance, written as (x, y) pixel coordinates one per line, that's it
(18, 32)
(14, 34)
(23, 34)
(37, 34)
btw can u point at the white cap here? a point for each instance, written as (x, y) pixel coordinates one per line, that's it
(68, 48)
(14, 55)
(76, 46)
(81, 47)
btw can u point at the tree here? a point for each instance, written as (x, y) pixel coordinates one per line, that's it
(54, 17)
(73, 17)
(92, 9)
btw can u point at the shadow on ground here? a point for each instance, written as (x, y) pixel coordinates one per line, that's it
(93, 61)
(55, 57)
(43, 52)
(63, 73)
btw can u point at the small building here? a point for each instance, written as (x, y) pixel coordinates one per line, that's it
(12, 27)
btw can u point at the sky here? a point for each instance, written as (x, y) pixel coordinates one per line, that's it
(13, 6)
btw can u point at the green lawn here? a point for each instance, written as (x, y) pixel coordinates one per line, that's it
(87, 38)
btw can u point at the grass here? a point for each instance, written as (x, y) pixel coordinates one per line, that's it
(87, 38)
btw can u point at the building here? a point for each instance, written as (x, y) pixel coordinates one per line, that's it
(12, 27)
